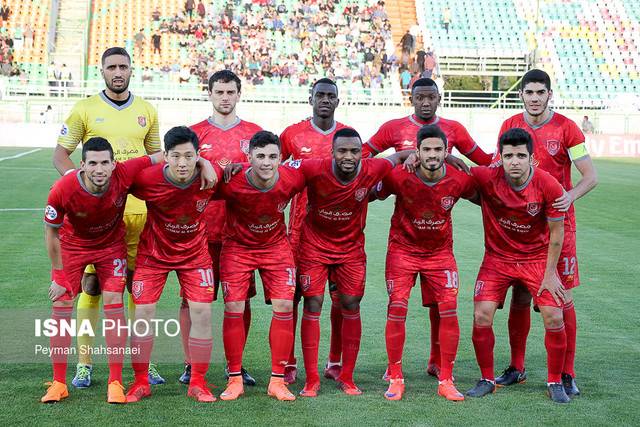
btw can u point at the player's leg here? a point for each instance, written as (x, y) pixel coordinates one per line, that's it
(433, 364)
(88, 310)
(555, 341)
(570, 277)
(519, 325)
(334, 362)
(185, 331)
(247, 378)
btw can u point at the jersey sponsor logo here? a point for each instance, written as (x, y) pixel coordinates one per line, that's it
(389, 286)
(244, 146)
(447, 202)
(282, 206)
(553, 146)
(50, 213)
(205, 147)
(361, 193)
(305, 150)
(64, 130)
(533, 208)
(478, 289)
(137, 287)
(407, 143)
(223, 162)
(295, 163)
(201, 204)
(142, 121)
(305, 282)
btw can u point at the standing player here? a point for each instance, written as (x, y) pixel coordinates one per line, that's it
(400, 134)
(130, 124)
(174, 239)
(84, 226)
(421, 243)
(523, 234)
(255, 239)
(312, 139)
(557, 143)
(224, 139)
(332, 243)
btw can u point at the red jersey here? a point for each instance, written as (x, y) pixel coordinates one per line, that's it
(552, 142)
(400, 134)
(421, 221)
(255, 217)
(174, 235)
(304, 140)
(515, 219)
(222, 146)
(92, 221)
(337, 212)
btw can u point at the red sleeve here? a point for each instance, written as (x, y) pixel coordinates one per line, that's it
(297, 178)
(54, 212)
(138, 185)
(381, 167)
(468, 186)
(572, 134)
(463, 141)
(386, 187)
(552, 190)
(379, 142)
(131, 167)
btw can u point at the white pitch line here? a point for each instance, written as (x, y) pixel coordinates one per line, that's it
(17, 156)
(20, 209)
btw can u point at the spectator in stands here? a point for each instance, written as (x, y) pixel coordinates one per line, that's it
(429, 64)
(155, 39)
(407, 43)
(147, 76)
(446, 18)
(189, 5)
(416, 31)
(156, 14)
(202, 11)
(28, 36)
(5, 12)
(282, 8)
(138, 41)
(587, 126)
(405, 78)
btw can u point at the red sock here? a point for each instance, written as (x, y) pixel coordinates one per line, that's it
(571, 328)
(200, 351)
(519, 325)
(141, 348)
(395, 336)
(555, 340)
(246, 318)
(434, 321)
(116, 340)
(483, 342)
(292, 354)
(185, 329)
(280, 340)
(351, 335)
(60, 343)
(449, 334)
(335, 349)
(233, 338)
(310, 336)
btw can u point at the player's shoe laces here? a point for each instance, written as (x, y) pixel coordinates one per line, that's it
(234, 388)
(115, 393)
(154, 376)
(482, 388)
(138, 391)
(185, 378)
(433, 370)
(83, 376)
(247, 379)
(310, 390)
(449, 391)
(349, 388)
(332, 372)
(55, 393)
(278, 389)
(290, 374)
(201, 393)
(557, 394)
(570, 386)
(511, 376)
(395, 390)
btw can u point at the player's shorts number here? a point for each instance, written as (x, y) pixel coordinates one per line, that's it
(291, 280)
(569, 266)
(119, 267)
(452, 279)
(207, 277)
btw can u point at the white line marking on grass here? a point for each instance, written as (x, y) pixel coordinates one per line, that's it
(17, 156)
(20, 209)
(26, 168)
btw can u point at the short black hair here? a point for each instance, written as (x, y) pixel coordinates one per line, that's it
(424, 81)
(225, 76)
(96, 143)
(324, 80)
(115, 51)
(515, 137)
(179, 135)
(262, 139)
(536, 76)
(346, 133)
(430, 131)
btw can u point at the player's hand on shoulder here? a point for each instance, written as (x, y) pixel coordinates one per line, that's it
(56, 291)
(230, 170)
(411, 163)
(564, 202)
(457, 163)
(208, 176)
(554, 287)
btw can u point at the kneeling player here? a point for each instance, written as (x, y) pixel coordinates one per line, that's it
(421, 243)
(523, 235)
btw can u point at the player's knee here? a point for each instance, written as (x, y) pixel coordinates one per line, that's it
(350, 302)
(90, 284)
(552, 317)
(313, 304)
(63, 303)
(282, 306)
(234, 306)
(482, 317)
(112, 298)
(520, 296)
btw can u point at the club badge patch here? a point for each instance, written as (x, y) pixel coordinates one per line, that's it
(201, 204)
(553, 146)
(142, 121)
(50, 213)
(64, 130)
(137, 287)
(389, 286)
(478, 288)
(305, 282)
(447, 202)
(361, 193)
(533, 208)
(244, 146)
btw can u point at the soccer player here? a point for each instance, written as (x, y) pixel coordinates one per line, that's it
(255, 239)
(523, 234)
(332, 243)
(83, 225)
(312, 139)
(224, 139)
(130, 124)
(557, 143)
(421, 243)
(400, 134)
(174, 239)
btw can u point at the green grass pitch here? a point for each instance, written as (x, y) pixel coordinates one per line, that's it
(608, 319)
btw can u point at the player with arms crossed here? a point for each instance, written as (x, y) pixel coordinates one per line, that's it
(130, 124)
(312, 139)
(421, 243)
(523, 234)
(557, 143)
(224, 139)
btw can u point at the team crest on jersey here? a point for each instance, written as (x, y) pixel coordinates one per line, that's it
(201, 204)
(533, 208)
(305, 282)
(244, 146)
(50, 213)
(389, 286)
(447, 202)
(120, 200)
(137, 287)
(282, 206)
(478, 288)
(64, 130)
(553, 146)
(361, 193)
(295, 164)
(142, 121)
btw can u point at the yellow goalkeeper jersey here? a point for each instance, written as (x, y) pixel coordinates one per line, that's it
(131, 129)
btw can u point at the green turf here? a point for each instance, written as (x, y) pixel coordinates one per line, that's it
(608, 346)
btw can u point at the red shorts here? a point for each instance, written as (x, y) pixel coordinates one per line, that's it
(438, 276)
(348, 272)
(495, 277)
(274, 263)
(110, 265)
(215, 248)
(196, 284)
(568, 262)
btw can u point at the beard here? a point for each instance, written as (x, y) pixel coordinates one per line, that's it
(118, 90)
